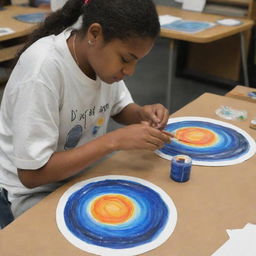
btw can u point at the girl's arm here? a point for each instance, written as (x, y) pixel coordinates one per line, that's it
(129, 115)
(62, 165)
(155, 115)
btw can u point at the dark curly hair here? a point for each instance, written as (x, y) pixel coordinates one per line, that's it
(119, 19)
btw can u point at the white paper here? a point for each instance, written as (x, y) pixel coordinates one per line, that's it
(240, 243)
(229, 22)
(193, 5)
(5, 31)
(57, 4)
(167, 19)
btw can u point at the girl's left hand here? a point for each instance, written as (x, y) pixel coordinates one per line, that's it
(155, 115)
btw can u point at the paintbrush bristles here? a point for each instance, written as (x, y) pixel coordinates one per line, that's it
(173, 136)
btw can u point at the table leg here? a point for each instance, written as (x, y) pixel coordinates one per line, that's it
(171, 73)
(244, 59)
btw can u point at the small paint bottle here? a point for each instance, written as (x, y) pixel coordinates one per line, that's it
(253, 123)
(181, 168)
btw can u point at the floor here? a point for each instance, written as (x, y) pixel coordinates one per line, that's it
(148, 84)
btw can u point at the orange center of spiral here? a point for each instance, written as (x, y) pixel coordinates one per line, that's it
(197, 136)
(112, 209)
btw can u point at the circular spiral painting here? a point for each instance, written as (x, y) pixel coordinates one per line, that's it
(116, 215)
(208, 141)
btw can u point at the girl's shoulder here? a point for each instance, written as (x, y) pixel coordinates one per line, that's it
(44, 54)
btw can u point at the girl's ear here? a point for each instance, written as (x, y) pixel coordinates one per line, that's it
(94, 32)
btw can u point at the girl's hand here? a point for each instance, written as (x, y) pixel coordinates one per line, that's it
(138, 136)
(155, 115)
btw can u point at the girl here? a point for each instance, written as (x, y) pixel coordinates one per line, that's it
(63, 90)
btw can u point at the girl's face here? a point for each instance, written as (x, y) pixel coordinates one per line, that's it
(117, 59)
(114, 60)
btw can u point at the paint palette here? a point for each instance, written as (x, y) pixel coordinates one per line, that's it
(116, 215)
(208, 141)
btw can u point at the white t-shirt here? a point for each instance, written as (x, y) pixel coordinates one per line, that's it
(50, 105)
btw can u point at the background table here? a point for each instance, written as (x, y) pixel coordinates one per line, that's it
(241, 92)
(206, 36)
(213, 200)
(21, 29)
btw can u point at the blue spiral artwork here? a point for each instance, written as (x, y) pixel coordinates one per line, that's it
(208, 141)
(188, 26)
(110, 215)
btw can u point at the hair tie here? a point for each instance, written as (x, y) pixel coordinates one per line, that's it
(86, 2)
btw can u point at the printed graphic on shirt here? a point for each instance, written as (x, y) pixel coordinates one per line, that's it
(99, 124)
(73, 137)
(83, 116)
(87, 114)
(87, 118)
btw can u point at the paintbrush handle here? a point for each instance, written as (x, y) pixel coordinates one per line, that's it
(169, 134)
(173, 136)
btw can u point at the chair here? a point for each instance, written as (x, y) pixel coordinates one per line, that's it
(6, 216)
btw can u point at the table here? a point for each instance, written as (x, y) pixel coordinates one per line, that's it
(206, 36)
(213, 200)
(241, 92)
(21, 28)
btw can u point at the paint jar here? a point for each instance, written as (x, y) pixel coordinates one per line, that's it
(180, 168)
(253, 123)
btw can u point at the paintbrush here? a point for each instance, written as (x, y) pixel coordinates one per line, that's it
(173, 136)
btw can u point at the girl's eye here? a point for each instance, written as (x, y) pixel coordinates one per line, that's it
(124, 60)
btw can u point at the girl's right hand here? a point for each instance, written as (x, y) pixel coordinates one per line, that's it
(138, 136)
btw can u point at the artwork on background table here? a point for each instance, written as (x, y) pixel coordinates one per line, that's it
(116, 215)
(188, 26)
(208, 141)
(31, 17)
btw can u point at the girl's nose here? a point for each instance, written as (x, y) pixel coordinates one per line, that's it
(128, 70)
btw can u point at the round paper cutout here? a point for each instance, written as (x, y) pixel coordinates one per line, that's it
(208, 141)
(116, 215)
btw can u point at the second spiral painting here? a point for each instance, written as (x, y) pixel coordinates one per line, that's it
(208, 141)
